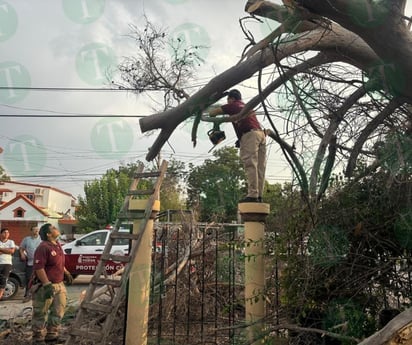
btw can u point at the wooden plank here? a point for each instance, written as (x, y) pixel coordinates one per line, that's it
(92, 335)
(103, 308)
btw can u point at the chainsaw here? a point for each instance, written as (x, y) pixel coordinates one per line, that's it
(216, 136)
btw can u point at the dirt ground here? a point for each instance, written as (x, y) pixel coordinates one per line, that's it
(17, 330)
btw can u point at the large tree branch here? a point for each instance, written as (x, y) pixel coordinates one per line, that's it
(336, 119)
(350, 48)
(380, 24)
(397, 331)
(318, 60)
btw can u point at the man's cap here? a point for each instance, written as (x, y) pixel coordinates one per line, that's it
(44, 230)
(235, 94)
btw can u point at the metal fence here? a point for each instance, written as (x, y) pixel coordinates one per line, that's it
(197, 283)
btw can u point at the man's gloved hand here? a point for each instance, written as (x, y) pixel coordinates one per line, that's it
(237, 143)
(48, 290)
(68, 278)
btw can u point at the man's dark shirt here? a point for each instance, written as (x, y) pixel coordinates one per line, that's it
(50, 257)
(244, 125)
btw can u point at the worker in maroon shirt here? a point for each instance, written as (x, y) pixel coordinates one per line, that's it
(252, 143)
(49, 300)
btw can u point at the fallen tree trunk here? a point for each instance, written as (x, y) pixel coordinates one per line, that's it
(397, 332)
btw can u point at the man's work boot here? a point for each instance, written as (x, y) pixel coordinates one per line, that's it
(51, 337)
(248, 199)
(38, 337)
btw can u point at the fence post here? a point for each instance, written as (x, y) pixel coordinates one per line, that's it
(139, 279)
(254, 215)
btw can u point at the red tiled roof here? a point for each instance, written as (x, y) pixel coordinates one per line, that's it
(12, 201)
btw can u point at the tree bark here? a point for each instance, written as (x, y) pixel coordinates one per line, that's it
(397, 332)
(336, 39)
(386, 33)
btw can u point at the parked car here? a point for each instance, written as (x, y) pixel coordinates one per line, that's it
(17, 278)
(82, 255)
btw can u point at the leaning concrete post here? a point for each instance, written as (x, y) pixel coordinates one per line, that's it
(139, 279)
(254, 214)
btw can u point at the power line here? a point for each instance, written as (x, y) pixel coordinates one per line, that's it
(71, 89)
(71, 115)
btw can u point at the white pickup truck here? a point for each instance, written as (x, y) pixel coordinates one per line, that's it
(83, 254)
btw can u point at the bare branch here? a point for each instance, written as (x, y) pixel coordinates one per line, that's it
(337, 117)
(371, 126)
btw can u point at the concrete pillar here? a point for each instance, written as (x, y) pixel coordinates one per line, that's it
(139, 280)
(253, 215)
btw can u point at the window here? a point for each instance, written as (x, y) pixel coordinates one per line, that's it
(19, 212)
(98, 239)
(29, 196)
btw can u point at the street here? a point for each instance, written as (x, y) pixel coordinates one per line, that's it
(14, 306)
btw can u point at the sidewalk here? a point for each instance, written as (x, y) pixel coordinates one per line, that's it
(14, 308)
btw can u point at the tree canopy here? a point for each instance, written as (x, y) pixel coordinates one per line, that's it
(104, 197)
(332, 80)
(214, 187)
(342, 67)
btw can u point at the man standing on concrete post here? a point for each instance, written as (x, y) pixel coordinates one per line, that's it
(27, 248)
(252, 143)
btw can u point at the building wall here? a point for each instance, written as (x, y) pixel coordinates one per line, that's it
(44, 196)
(52, 204)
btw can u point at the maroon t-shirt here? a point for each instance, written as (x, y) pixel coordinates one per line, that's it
(244, 125)
(50, 256)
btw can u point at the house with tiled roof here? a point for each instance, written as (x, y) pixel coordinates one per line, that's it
(23, 205)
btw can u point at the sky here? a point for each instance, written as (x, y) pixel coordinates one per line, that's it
(61, 121)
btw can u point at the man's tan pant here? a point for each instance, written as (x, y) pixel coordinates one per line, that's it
(253, 156)
(48, 312)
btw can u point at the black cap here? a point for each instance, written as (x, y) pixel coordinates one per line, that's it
(235, 94)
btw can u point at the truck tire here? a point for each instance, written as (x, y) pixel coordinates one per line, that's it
(12, 287)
